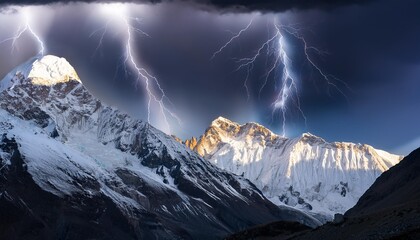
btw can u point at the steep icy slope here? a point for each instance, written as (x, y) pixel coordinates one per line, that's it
(306, 172)
(72, 167)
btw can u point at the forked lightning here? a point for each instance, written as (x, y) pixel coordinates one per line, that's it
(117, 12)
(288, 91)
(23, 28)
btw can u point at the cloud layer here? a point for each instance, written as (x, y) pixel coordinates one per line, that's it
(223, 5)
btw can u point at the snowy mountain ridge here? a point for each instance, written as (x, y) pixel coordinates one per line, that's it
(42, 70)
(50, 70)
(306, 172)
(58, 142)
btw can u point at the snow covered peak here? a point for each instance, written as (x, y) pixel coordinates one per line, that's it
(223, 123)
(305, 172)
(223, 130)
(309, 137)
(48, 86)
(40, 71)
(231, 128)
(255, 129)
(307, 134)
(50, 70)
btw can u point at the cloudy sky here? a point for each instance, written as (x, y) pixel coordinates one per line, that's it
(371, 47)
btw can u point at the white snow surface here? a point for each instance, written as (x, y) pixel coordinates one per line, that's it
(12, 76)
(330, 177)
(41, 70)
(50, 70)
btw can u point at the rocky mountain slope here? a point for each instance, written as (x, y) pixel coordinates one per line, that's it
(398, 186)
(72, 167)
(390, 209)
(306, 172)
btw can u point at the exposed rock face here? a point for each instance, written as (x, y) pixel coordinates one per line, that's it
(338, 218)
(30, 212)
(222, 128)
(73, 168)
(398, 186)
(177, 139)
(305, 172)
(275, 230)
(191, 143)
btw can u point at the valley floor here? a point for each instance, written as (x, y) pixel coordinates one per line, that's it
(402, 222)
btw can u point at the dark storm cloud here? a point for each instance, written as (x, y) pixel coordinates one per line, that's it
(280, 6)
(8, 10)
(225, 5)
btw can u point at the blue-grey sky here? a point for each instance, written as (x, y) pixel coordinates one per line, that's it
(371, 46)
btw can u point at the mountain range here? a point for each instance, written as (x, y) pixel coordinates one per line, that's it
(306, 172)
(72, 167)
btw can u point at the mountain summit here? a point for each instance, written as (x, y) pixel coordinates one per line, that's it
(72, 167)
(306, 172)
(50, 70)
(42, 70)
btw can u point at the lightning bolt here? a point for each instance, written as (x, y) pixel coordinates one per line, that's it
(275, 48)
(248, 63)
(25, 27)
(288, 83)
(237, 35)
(329, 78)
(104, 31)
(155, 92)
